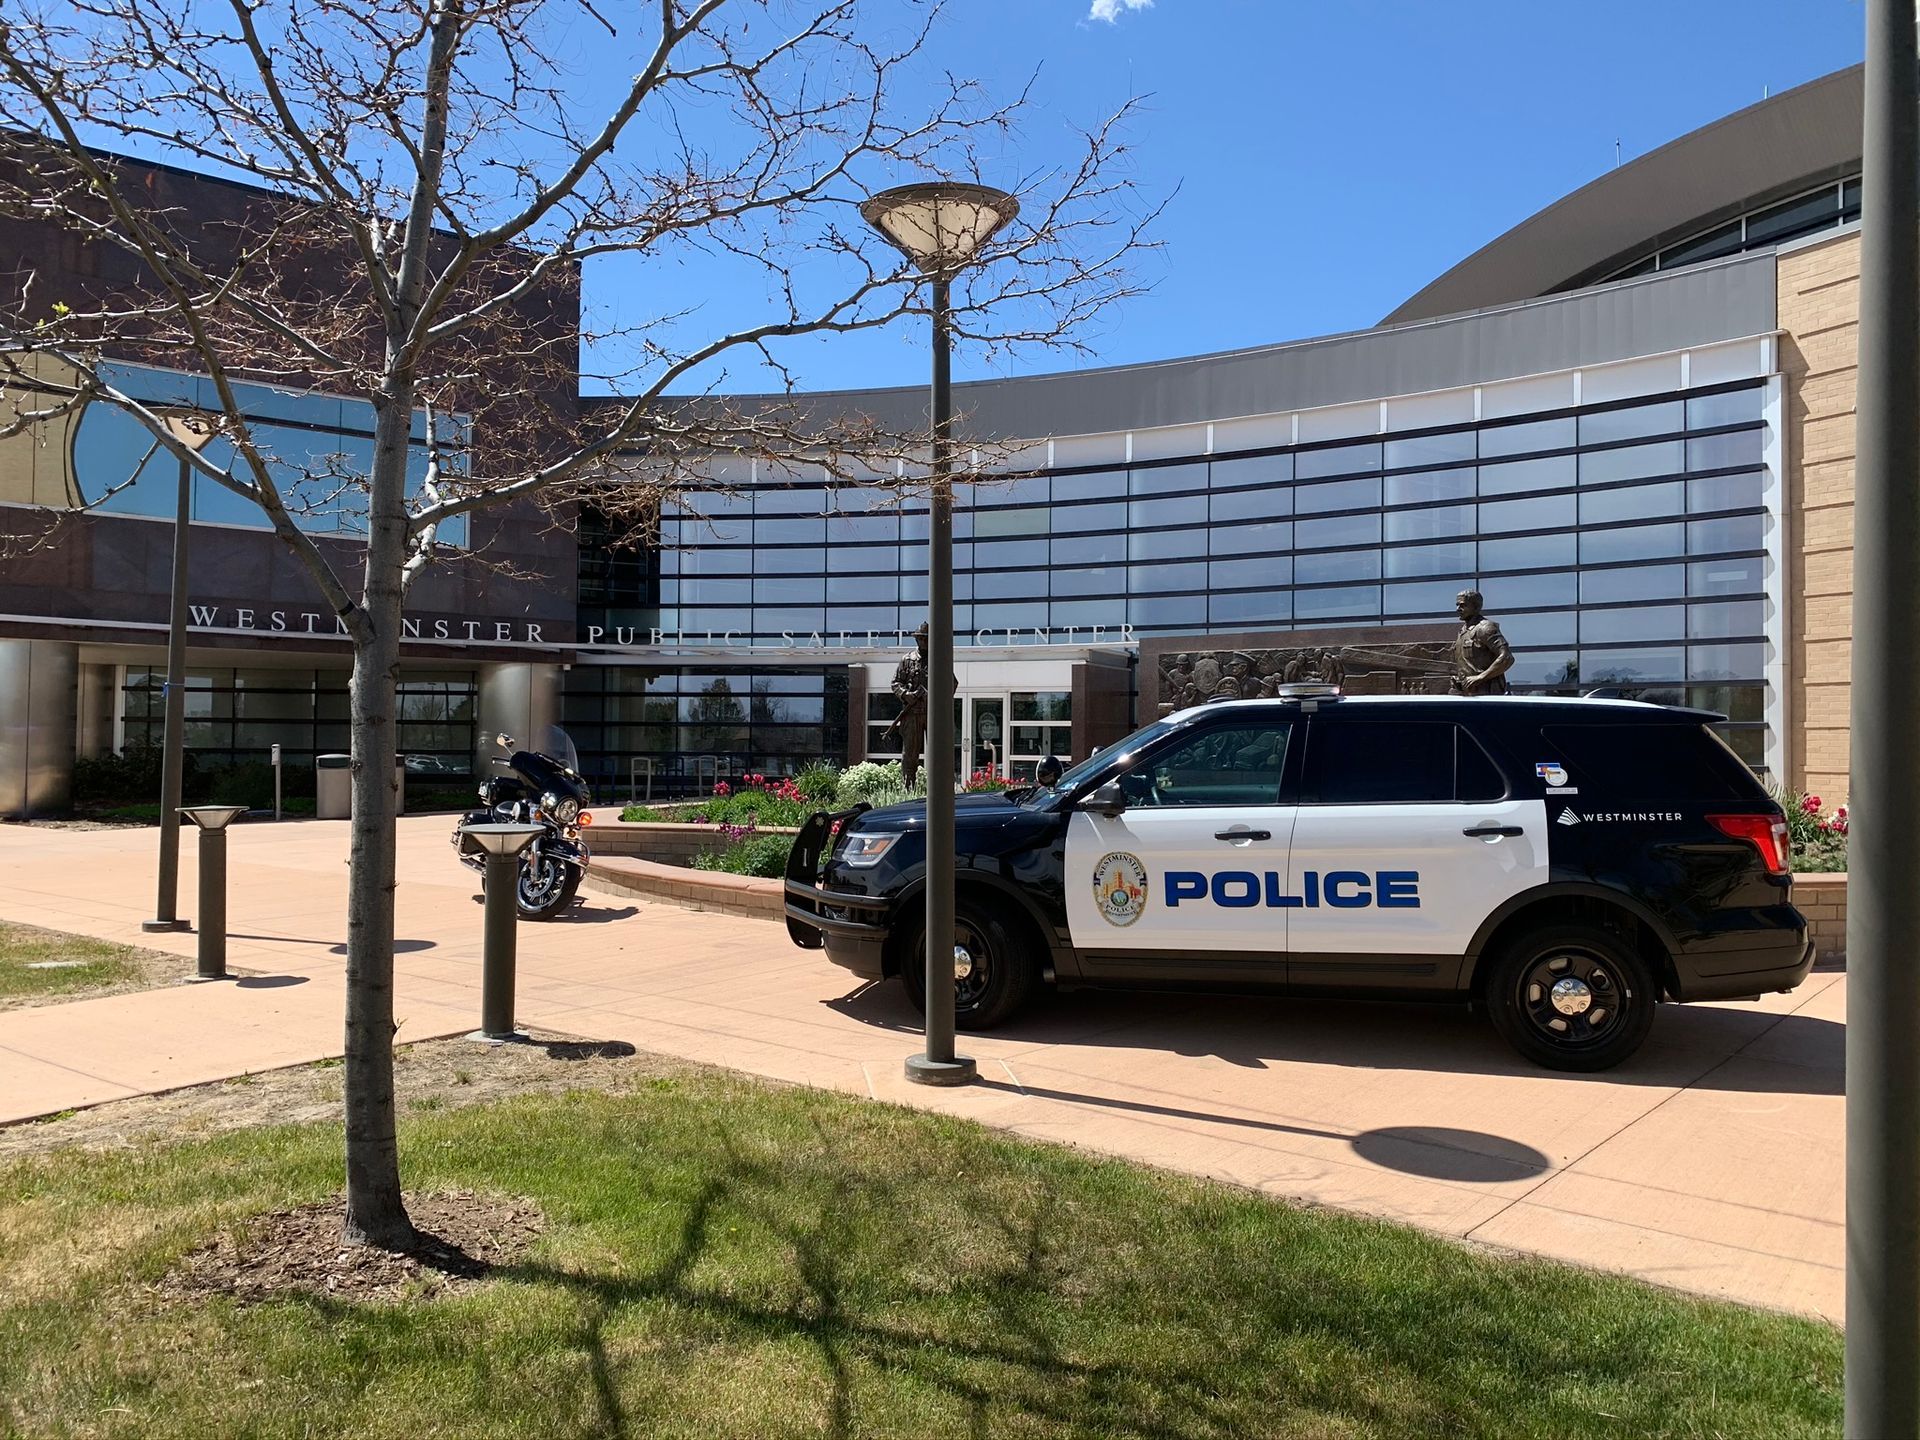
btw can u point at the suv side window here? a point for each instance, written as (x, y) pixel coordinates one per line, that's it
(1387, 762)
(1222, 765)
(1475, 776)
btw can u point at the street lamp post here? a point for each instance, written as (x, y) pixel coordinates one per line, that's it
(1883, 904)
(940, 226)
(193, 431)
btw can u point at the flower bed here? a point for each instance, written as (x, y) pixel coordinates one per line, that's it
(1819, 839)
(753, 823)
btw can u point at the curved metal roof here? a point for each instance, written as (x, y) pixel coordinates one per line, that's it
(1785, 144)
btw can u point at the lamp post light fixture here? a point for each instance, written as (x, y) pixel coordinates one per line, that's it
(193, 430)
(503, 844)
(940, 226)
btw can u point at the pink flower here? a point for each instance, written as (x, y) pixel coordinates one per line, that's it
(1810, 804)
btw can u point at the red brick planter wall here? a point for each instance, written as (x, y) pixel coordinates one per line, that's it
(696, 889)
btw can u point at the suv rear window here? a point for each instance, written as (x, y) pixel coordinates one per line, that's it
(1377, 762)
(1650, 762)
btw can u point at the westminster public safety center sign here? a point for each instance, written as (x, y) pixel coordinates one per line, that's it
(252, 620)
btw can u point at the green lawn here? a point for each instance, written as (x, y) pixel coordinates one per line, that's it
(81, 964)
(724, 1259)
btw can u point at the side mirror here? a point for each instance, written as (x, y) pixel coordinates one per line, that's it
(1109, 799)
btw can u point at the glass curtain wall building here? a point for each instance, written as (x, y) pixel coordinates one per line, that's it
(1622, 545)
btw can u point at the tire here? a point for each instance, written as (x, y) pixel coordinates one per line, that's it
(546, 887)
(1559, 1033)
(1002, 972)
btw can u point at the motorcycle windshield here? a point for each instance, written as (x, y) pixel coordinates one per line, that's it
(556, 744)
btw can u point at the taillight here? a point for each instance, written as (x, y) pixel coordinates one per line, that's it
(1766, 833)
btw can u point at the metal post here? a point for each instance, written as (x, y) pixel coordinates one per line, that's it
(210, 953)
(502, 936)
(166, 904)
(276, 782)
(939, 1065)
(1883, 906)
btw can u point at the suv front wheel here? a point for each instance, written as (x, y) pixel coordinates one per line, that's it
(1571, 997)
(993, 971)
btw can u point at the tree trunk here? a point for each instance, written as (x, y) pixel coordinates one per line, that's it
(376, 1215)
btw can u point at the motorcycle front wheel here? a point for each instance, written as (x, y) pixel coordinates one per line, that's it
(547, 886)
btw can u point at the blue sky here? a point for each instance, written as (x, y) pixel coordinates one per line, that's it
(1331, 156)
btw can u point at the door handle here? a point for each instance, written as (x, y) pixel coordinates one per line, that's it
(1489, 832)
(1243, 835)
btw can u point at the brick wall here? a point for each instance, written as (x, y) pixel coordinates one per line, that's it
(1819, 308)
(1823, 900)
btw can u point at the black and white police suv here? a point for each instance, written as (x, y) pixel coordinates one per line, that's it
(1564, 863)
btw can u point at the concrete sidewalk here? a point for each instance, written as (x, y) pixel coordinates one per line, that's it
(1710, 1162)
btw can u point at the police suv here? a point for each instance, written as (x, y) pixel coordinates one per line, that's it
(1564, 863)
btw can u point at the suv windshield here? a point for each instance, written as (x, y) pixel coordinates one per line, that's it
(1095, 762)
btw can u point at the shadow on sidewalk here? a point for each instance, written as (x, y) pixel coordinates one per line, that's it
(1438, 1152)
(1689, 1046)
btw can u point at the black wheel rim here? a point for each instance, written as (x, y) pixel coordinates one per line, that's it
(973, 956)
(539, 882)
(1573, 999)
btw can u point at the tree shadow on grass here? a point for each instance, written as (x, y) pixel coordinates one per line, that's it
(1025, 1369)
(910, 1282)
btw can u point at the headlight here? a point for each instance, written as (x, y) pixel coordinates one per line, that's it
(565, 811)
(865, 847)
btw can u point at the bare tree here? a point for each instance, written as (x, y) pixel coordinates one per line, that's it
(427, 192)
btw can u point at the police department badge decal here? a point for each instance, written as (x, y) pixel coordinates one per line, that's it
(1120, 888)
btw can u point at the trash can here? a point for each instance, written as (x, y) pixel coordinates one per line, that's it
(332, 787)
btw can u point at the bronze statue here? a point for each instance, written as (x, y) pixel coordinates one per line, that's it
(910, 689)
(1481, 655)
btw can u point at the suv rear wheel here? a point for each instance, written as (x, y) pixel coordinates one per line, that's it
(993, 969)
(1571, 997)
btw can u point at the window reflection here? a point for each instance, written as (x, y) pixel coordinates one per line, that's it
(317, 449)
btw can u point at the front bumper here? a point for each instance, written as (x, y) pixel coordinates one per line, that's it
(851, 928)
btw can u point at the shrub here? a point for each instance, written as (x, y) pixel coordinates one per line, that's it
(860, 783)
(758, 801)
(645, 814)
(983, 780)
(249, 783)
(762, 855)
(820, 781)
(132, 776)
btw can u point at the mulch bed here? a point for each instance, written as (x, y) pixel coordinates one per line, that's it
(462, 1236)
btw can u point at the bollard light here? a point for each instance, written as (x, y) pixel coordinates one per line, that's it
(502, 844)
(210, 952)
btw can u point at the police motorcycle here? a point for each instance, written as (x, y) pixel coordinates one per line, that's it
(541, 787)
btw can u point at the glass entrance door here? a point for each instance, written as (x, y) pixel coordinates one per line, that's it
(986, 734)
